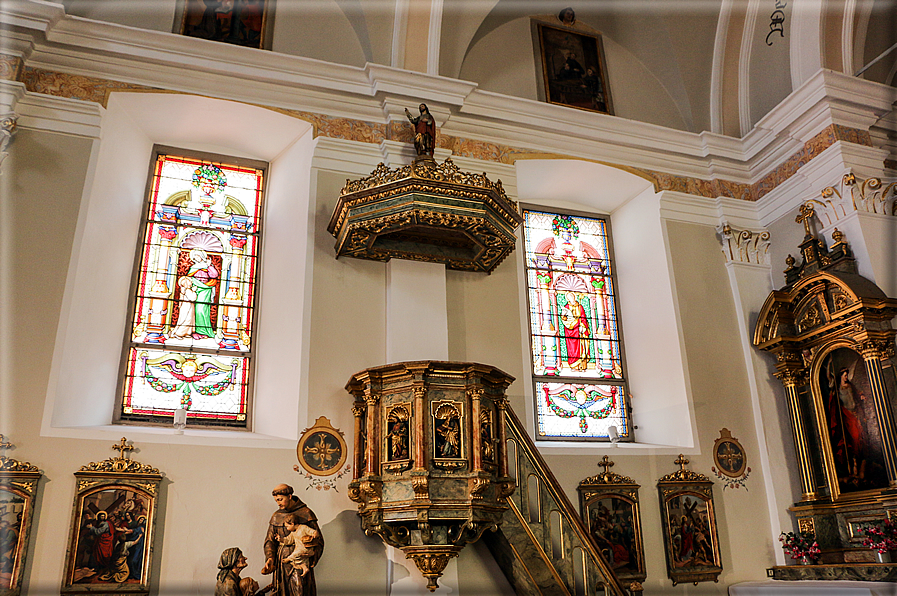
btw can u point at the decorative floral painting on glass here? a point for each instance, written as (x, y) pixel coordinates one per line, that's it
(573, 326)
(194, 307)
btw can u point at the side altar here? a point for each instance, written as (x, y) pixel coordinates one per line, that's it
(830, 331)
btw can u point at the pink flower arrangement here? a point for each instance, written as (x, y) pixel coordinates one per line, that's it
(799, 545)
(881, 537)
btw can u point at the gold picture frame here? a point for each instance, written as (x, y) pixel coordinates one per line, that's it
(237, 22)
(18, 486)
(609, 506)
(321, 449)
(113, 527)
(573, 69)
(688, 518)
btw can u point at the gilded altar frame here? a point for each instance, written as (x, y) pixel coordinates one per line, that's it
(688, 517)
(622, 517)
(123, 494)
(18, 488)
(830, 331)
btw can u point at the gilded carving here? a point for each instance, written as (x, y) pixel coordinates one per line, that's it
(10, 67)
(477, 486)
(744, 246)
(806, 524)
(84, 484)
(811, 318)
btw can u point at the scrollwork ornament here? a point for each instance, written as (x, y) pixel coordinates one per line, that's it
(744, 246)
(8, 128)
(877, 349)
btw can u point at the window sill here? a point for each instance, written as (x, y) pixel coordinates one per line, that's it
(570, 448)
(171, 436)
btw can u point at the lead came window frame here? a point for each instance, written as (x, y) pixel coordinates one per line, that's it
(580, 404)
(226, 224)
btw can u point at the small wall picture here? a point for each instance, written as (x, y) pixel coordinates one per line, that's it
(113, 521)
(609, 505)
(240, 22)
(18, 486)
(573, 69)
(689, 526)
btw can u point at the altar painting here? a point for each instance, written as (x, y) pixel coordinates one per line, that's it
(852, 426)
(194, 308)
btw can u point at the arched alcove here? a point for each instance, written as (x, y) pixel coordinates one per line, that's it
(652, 341)
(84, 373)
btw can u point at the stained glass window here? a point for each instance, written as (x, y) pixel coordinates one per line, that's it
(190, 339)
(580, 385)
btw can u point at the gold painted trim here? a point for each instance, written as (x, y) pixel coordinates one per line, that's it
(98, 91)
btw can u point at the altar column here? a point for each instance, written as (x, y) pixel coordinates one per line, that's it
(794, 377)
(872, 355)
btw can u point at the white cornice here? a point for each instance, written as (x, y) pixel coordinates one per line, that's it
(34, 14)
(55, 114)
(166, 61)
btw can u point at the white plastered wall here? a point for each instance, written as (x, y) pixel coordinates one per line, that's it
(84, 374)
(655, 359)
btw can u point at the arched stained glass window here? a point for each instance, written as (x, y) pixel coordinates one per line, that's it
(578, 370)
(190, 340)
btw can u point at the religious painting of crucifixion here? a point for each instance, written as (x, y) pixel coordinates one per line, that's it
(113, 526)
(609, 506)
(688, 518)
(577, 357)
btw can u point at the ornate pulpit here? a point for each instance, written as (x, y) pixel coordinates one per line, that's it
(431, 472)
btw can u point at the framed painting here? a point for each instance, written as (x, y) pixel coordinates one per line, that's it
(113, 521)
(239, 22)
(609, 506)
(18, 485)
(854, 457)
(573, 69)
(689, 526)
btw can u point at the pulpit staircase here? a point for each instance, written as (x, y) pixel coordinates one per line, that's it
(542, 545)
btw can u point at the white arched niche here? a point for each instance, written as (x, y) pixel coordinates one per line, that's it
(652, 341)
(84, 376)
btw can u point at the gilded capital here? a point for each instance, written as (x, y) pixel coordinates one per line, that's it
(877, 349)
(372, 399)
(744, 246)
(358, 410)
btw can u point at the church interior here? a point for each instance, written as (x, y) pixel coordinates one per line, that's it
(517, 297)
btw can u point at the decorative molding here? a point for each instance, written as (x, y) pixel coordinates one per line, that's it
(8, 127)
(744, 246)
(871, 195)
(11, 67)
(97, 90)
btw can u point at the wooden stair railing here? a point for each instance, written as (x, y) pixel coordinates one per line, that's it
(543, 546)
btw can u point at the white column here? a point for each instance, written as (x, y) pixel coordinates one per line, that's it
(747, 263)
(416, 315)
